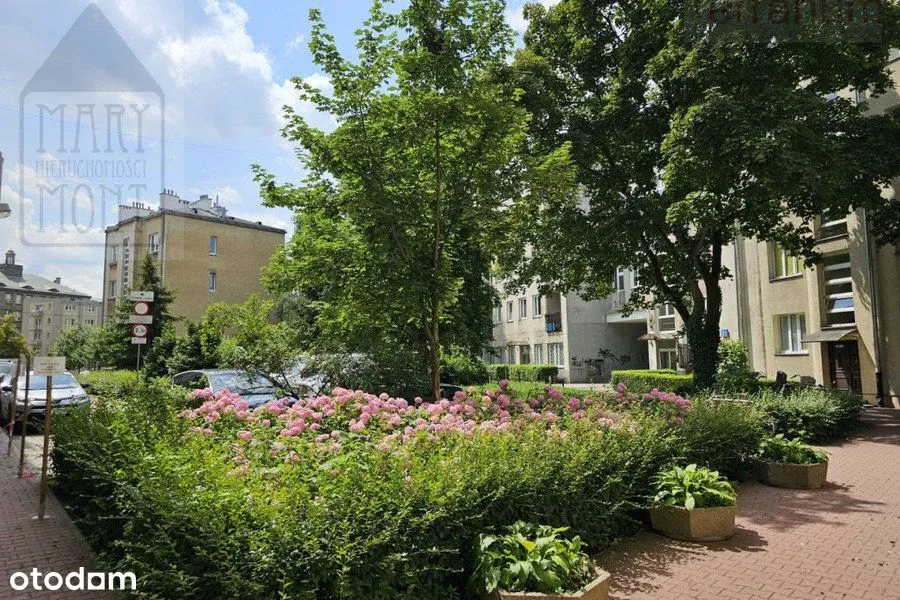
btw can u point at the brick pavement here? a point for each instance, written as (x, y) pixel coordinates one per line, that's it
(52, 545)
(839, 542)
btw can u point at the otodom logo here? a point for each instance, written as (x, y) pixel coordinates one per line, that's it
(92, 136)
(75, 581)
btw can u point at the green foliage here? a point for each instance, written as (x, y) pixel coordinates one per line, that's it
(723, 436)
(82, 346)
(12, 342)
(461, 368)
(528, 558)
(395, 218)
(734, 374)
(649, 107)
(814, 413)
(692, 487)
(198, 348)
(644, 380)
(531, 372)
(777, 449)
(109, 385)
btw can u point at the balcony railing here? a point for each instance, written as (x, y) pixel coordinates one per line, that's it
(553, 322)
(619, 299)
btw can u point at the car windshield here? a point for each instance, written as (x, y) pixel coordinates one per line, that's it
(239, 383)
(60, 382)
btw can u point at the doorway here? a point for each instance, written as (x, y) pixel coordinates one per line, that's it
(843, 360)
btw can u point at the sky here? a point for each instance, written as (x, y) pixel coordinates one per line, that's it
(222, 70)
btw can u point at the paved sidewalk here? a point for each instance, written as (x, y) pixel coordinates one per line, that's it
(839, 542)
(52, 545)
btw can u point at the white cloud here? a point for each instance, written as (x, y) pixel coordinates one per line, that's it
(294, 44)
(516, 17)
(287, 94)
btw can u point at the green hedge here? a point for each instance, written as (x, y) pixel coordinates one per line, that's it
(539, 373)
(642, 381)
(461, 369)
(812, 413)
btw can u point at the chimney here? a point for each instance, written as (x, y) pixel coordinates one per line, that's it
(9, 266)
(58, 280)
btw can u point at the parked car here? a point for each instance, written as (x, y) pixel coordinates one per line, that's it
(66, 392)
(7, 371)
(254, 389)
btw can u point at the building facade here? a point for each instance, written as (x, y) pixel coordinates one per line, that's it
(43, 308)
(586, 339)
(203, 254)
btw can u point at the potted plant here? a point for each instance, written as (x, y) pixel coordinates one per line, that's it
(791, 463)
(534, 562)
(694, 504)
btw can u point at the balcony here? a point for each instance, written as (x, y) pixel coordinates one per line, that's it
(553, 322)
(620, 299)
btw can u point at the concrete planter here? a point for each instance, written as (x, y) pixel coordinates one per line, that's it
(598, 589)
(792, 476)
(696, 525)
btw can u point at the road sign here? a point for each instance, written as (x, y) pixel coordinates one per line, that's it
(49, 365)
(142, 319)
(139, 330)
(141, 308)
(138, 340)
(141, 296)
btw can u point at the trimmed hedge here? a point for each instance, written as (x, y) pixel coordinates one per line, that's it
(460, 369)
(812, 413)
(642, 381)
(539, 373)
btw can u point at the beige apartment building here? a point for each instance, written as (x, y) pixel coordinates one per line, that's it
(204, 254)
(43, 308)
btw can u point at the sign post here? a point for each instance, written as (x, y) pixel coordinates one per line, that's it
(15, 392)
(140, 320)
(47, 366)
(25, 418)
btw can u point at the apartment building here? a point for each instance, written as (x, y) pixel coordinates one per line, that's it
(576, 335)
(203, 254)
(43, 308)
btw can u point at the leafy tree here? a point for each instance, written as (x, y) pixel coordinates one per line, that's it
(686, 139)
(117, 334)
(82, 347)
(198, 348)
(12, 342)
(395, 218)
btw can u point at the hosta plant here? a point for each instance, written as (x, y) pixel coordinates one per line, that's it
(792, 452)
(692, 487)
(529, 558)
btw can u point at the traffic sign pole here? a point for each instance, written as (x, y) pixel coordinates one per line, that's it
(48, 415)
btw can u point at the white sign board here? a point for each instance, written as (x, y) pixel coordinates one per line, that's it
(142, 319)
(49, 365)
(138, 340)
(141, 296)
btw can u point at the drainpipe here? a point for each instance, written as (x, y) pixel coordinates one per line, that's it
(876, 316)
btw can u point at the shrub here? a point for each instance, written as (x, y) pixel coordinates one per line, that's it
(692, 487)
(461, 369)
(642, 381)
(723, 436)
(109, 384)
(536, 373)
(529, 558)
(814, 413)
(777, 449)
(734, 374)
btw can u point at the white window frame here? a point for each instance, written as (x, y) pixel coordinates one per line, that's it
(667, 312)
(790, 266)
(153, 242)
(556, 354)
(510, 315)
(213, 282)
(537, 352)
(111, 289)
(671, 362)
(537, 306)
(523, 308)
(213, 245)
(619, 279)
(791, 329)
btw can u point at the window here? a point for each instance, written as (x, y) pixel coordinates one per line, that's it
(524, 355)
(619, 279)
(666, 318)
(113, 254)
(70, 322)
(555, 355)
(88, 321)
(783, 264)
(839, 309)
(18, 298)
(70, 308)
(9, 298)
(126, 255)
(212, 281)
(509, 311)
(832, 226)
(213, 245)
(154, 243)
(537, 305)
(792, 329)
(538, 354)
(523, 308)
(112, 289)
(498, 313)
(668, 359)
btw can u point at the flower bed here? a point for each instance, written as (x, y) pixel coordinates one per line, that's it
(353, 495)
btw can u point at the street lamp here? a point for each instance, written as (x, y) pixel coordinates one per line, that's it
(4, 207)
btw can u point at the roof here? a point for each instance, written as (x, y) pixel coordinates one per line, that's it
(203, 217)
(36, 284)
(830, 335)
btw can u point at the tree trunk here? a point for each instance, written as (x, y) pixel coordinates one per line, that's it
(704, 344)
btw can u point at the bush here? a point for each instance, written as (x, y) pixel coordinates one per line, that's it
(461, 369)
(734, 374)
(536, 373)
(642, 381)
(723, 436)
(109, 384)
(777, 449)
(814, 413)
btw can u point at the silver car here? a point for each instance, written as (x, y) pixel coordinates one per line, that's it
(66, 392)
(255, 390)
